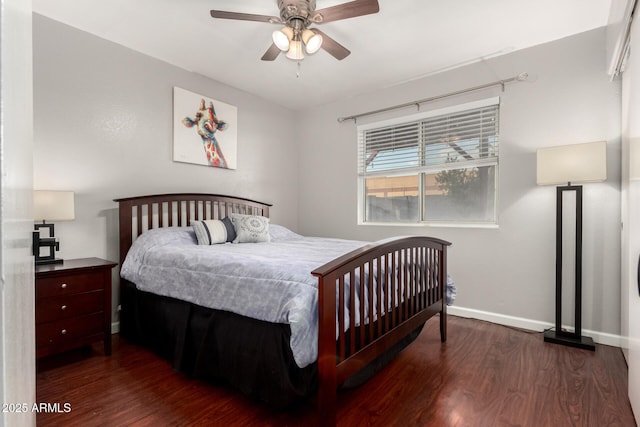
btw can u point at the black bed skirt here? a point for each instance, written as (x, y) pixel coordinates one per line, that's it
(252, 356)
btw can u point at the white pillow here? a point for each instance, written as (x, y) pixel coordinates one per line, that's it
(250, 228)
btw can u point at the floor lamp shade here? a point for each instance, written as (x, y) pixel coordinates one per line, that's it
(570, 164)
(577, 163)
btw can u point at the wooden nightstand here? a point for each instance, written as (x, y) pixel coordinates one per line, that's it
(73, 305)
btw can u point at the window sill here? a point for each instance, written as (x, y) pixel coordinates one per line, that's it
(430, 225)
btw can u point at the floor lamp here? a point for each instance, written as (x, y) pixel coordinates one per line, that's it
(570, 164)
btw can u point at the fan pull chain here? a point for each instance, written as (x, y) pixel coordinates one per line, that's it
(298, 70)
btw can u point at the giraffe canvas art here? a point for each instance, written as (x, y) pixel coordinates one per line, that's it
(204, 130)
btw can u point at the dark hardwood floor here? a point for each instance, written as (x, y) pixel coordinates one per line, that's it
(484, 375)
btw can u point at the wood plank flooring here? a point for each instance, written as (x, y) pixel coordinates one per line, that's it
(484, 375)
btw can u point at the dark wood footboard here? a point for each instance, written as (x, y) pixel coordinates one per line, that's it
(399, 283)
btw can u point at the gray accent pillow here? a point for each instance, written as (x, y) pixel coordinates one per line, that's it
(231, 232)
(250, 228)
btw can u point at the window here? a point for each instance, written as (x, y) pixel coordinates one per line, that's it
(436, 167)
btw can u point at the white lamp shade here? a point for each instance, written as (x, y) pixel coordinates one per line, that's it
(282, 38)
(53, 205)
(312, 41)
(295, 50)
(574, 163)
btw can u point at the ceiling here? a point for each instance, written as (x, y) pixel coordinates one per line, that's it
(406, 40)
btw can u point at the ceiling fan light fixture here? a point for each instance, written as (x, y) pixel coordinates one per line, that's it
(282, 38)
(297, 16)
(312, 41)
(295, 50)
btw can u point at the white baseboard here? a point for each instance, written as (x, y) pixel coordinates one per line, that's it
(532, 325)
(115, 327)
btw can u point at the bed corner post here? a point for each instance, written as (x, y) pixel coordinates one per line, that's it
(443, 287)
(124, 217)
(327, 372)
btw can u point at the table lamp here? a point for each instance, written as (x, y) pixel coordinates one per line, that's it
(49, 206)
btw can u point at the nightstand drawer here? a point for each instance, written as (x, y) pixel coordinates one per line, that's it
(70, 284)
(66, 306)
(65, 331)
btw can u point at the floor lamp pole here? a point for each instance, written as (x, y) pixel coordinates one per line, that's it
(560, 336)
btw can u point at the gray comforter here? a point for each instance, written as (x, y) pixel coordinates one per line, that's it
(266, 281)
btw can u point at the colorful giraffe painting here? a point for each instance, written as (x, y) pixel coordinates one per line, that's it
(200, 122)
(207, 124)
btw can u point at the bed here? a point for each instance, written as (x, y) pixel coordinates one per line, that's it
(343, 318)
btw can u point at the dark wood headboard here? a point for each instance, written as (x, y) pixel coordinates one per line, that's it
(138, 214)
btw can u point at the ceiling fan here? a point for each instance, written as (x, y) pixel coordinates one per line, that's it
(297, 16)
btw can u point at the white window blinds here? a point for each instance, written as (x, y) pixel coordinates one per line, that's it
(435, 167)
(442, 141)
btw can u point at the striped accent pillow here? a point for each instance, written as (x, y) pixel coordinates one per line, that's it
(213, 231)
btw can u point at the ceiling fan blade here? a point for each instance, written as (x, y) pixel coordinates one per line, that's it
(271, 53)
(345, 10)
(334, 48)
(245, 17)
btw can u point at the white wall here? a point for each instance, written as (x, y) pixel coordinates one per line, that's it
(17, 318)
(103, 128)
(507, 272)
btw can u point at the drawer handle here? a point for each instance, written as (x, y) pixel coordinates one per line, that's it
(64, 286)
(63, 332)
(64, 307)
